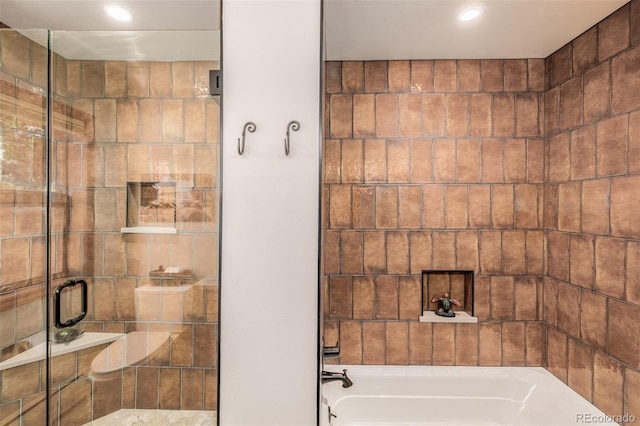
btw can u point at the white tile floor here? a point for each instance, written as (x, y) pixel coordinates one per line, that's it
(128, 417)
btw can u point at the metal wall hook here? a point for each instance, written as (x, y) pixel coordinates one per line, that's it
(295, 126)
(251, 127)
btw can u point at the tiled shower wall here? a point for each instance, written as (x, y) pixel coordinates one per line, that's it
(524, 171)
(434, 165)
(592, 199)
(112, 122)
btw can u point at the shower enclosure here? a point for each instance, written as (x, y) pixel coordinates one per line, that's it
(109, 231)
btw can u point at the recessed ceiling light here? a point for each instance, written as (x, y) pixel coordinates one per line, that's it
(118, 12)
(470, 13)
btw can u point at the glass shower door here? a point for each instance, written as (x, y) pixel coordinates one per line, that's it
(134, 227)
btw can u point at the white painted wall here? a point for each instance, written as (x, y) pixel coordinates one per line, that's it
(269, 277)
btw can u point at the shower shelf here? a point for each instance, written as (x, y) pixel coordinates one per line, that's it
(148, 230)
(461, 317)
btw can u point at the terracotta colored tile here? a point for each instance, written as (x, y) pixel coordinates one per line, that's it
(74, 77)
(550, 301)
(580, 372)
(490, 340)
(612, 136)
(480, 118)
(503, 115)
(559, 159)
(172, 120)
(513, 344)
(571, 103)
(595, 206)
(467, 250)
(490, 252)
(502, 206)
(420, 251)
(420, 161)
(433, 199)
(351, 250)
(444, 249)
(597, 93)
(534, 343)
(480, 202)
(410, 115)
(160, 79)
(610, 266)
(192, 395)
(515, 160)
(585, 51)
(375, 76)
(363, 298)
(536, 71)
(535, 252)
(569, 207)
(557, 354)
(634, 142)
(444, 351)
(583, 153)
(127, 116)
(468, 155)
(502, 303)
(15, 260)
(332, 160)
(582, 255)
(75, 407)
(105, 120)
(195, 116)
(15, 54)
(340, 207)
(397, 347)
(386, 207)
(515, 75)
(552, 111)
(20, 381)
(363, 207)
(635, 24)
(456, 107)
(607, 384)
(514, 253)
(352, 161)
(526, 206)
(340, 295)
(387, 115)
(375, 255)
(364, 116)
(333, 77)
(624, 332)
(561, 65)
(632, 385)
(593, 319)
(456, 206)
(445, 76)
(625, 80)
(491, 151)
(386, 297)
(482, 297)
(613, 33)
(558, 255)
(352, 77)
(409, 302)
(399, 76)
(469, 75)
(444, 160)
(569, 309)
(625, 202)
(375, 160)
(398, 161)
(138, 79)
(93, 77)
(373, 342)
(633, 272)
(466, 344)
(410, 207)
(169, 382)
(525, 298)
(397, 253)
(420, 345)
(331, 252)
(421, 76)
(340, 116)
(527, 122)
(433, 114)
(491, 75)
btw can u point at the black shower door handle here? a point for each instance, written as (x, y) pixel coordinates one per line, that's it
(73, 321)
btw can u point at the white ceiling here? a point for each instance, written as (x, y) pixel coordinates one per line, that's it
(355, 29)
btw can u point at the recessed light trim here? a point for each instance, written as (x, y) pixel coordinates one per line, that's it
(118, 12)
(470, 13)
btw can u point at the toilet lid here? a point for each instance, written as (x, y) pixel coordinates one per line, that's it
(131, 349)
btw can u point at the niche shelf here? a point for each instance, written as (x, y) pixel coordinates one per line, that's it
(151, 208)
(459, 285)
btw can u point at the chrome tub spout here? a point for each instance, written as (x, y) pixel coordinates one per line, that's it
(330, 376)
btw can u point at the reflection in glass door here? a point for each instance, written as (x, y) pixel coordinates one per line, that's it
(130, 306)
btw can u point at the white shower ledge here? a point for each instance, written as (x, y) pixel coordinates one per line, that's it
(148, 230)
(461, 317)
(39, 352)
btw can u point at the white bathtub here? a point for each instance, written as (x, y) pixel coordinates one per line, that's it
(472, 396)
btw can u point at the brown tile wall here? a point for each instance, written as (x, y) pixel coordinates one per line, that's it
(113, 122)
(434, 165)
(592, 287)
